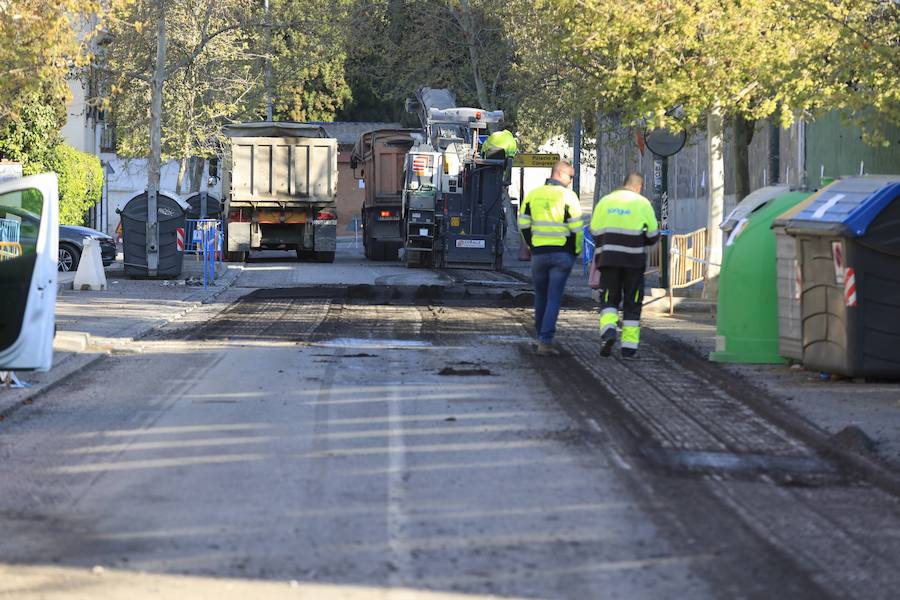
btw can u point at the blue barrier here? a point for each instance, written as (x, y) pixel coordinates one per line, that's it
(204, 237)
(587, 249)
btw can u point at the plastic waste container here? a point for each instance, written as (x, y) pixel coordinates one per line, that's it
(849, 250)
(134, 235)
(787, 268)
(747, 315)
(749, 205)
(195, 205)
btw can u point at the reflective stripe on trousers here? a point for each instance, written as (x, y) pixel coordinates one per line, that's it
(631, 334)
(609, 319)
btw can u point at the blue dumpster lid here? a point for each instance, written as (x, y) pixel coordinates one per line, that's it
(847, 206)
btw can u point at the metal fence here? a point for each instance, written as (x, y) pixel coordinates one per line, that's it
(9, 230)
(687, 262)
(203, 238)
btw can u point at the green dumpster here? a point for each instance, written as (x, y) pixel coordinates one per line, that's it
(747, 322)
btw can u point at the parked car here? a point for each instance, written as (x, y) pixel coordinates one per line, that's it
(71, 244)
(71, 239)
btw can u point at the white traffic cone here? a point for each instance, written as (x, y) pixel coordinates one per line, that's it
(90, 274)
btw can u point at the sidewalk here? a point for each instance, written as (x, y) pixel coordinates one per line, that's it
(862, 418)
(92, 324)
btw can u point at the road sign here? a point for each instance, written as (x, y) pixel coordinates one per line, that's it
(535, 160)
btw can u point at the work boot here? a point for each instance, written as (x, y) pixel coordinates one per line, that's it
(544, 349)
(629, 353)
(609, 340)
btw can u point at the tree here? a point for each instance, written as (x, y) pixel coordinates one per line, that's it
(41, 41)
(204, 77)
(30, 135)
(307, 46)
(712, 59)
(403, 45)
(854, 62)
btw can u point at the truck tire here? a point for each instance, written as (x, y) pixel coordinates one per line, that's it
(324, 257)
(367, 245)
(236, 256)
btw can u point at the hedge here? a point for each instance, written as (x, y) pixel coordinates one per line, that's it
(80, 182)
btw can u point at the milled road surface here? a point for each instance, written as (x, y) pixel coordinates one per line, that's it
(398, 438)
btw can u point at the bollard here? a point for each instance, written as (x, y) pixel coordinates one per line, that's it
(90, 274)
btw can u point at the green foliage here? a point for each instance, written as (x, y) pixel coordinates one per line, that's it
(40, 42)
(399, 46)
(29, 136)
(307, 43)
(212, 71)
(80, 182)
(638, 59)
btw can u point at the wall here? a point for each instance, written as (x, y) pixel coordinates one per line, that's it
(350, 196)
(79, 131)
(838, 149)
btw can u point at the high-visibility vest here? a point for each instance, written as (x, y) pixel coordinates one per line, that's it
(553, 213)
(501, 139)
(623, 224)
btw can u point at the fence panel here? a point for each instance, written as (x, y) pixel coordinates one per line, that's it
(9, 230)
(203, 238)
(687, 262)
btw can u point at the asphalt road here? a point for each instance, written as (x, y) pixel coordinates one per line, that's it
(399, 439)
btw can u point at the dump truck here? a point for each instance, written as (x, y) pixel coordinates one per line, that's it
(377, 159)
(280, 187)
(454, 198)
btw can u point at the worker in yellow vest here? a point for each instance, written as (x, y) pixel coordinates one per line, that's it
(623, 224)
(550, 222)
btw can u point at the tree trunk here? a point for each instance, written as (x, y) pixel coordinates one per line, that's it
(197, 165)
(598, 173)
(743, 136)
(155, 161)
(182, 171)
(715, 137)
(466, 21)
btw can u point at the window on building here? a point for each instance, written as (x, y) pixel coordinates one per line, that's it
(108, 137)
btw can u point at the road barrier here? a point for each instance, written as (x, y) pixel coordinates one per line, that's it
(10, 250)
(203, 238)
(687, 262)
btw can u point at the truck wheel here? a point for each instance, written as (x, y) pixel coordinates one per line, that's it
(367, 245)
(236, 256)
(324, 257)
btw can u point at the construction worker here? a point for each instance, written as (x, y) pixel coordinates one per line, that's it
(550, 222)
(622, 225)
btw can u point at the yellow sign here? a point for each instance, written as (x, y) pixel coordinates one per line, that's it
(535, 160)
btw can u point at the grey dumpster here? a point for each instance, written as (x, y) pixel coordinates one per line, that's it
(200, 200)
(788, 284)
(134, 235)
(849, 250)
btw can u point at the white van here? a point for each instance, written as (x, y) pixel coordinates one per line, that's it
(29, 244)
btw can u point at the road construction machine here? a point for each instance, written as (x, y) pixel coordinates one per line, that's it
(454, 198)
